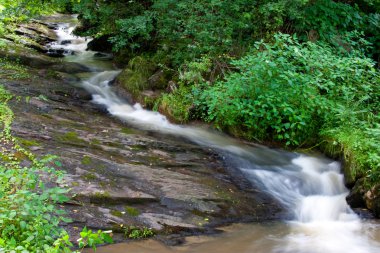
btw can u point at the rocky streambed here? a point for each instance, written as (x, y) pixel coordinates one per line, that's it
(119, 175)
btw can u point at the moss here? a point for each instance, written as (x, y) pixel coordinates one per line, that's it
(138, 147)
(100, 197)
(153, 159)
(52, 74)
(106, 184)
(86, 160)
(45, 115)
(133, 232)
(135, 78)
(28, 143)
(114, 144)
(89, 177)
(74, 184)
(126, 130)
(95, 142)
(116, 213)
(132, 211)
(354, 148)
(135, 163)
(72, 138)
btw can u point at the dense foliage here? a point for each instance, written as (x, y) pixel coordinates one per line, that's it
(286, 90)
(190, 29)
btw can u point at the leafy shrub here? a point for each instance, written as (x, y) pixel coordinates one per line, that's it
(286, 90)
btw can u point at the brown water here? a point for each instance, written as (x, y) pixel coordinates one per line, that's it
(253, 238)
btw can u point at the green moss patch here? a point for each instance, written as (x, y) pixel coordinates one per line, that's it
(132, 211)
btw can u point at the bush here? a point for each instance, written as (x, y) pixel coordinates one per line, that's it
(286, 91)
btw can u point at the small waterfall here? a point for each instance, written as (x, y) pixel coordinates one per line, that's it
(311, 187)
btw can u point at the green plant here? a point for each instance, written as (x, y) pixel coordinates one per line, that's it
(177, 105)
(132, 211)
(13, 70)
(284, 90)
(91, 239)
(138, 233)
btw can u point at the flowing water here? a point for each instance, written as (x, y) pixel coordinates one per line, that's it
(310, 187)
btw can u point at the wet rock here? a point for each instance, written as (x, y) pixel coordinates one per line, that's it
(364, 213)
(29, 43)
(66, 42)
(59, 53)
(360, 197)
(70, 67)
(73, 79)
(25, 56)
(101, 44)
(34, 35)
(372, 200)
(42, 31)
(356, 196)
(40, 104)
(37, 33)
(159, 221)
(159, 80)
(103, 56)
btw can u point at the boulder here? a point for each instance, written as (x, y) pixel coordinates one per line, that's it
(158, 81)
(39, 32)
(134, 79)
(141, 82)
(361, 197)
(70, 67)
(356, 196)
(372, 200)
(100, 44)
(59, 52)
(25, 56)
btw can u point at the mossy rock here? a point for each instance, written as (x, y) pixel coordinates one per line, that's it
(372, 199)
(135, 77)
(140, 82)
(356, 197)
(132, 211)
(72, 138)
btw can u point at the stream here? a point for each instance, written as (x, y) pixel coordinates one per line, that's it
(310, 187)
